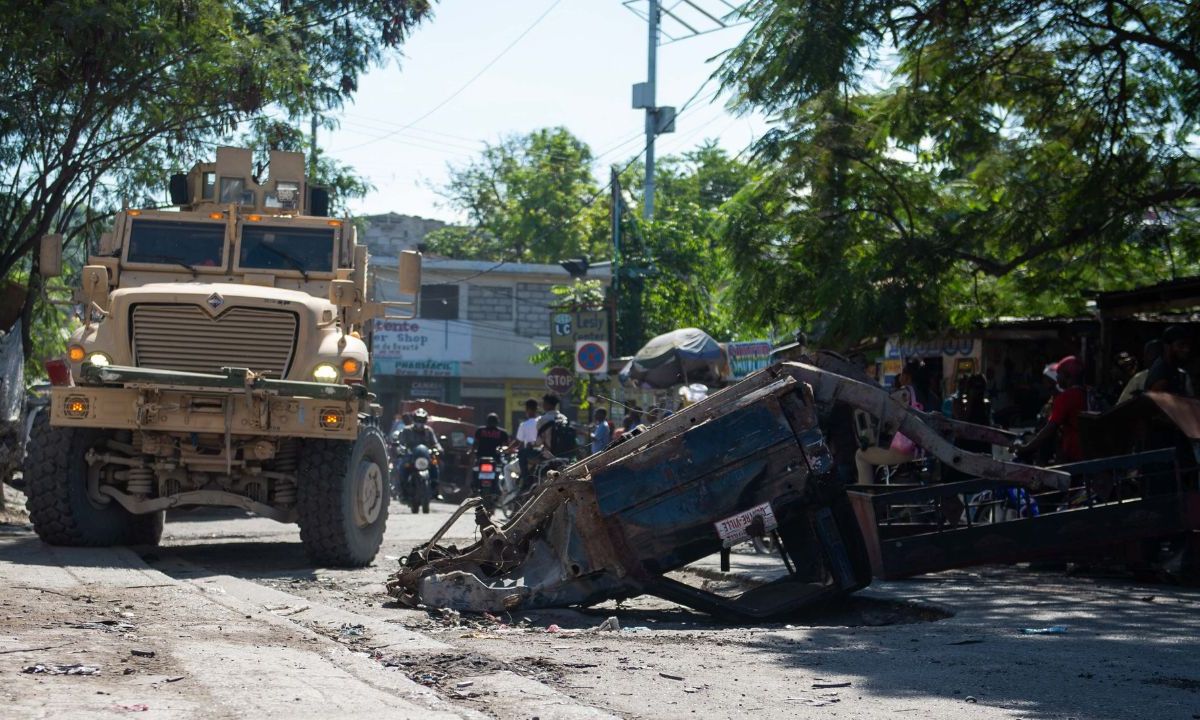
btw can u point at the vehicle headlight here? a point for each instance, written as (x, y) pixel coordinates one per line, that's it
(99, 359)
(325, 373)
(421, 463)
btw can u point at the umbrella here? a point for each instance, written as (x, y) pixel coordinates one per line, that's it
(678, 357)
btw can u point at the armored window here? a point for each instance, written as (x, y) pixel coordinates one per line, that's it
(172, 242)
(439, 302)
(267, 247)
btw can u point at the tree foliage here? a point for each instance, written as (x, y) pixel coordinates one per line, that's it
(534, 198)
(676, 272)
(529, 198)
(101, 101)
(937, 162)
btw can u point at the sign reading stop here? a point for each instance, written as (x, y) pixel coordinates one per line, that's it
(559, 380)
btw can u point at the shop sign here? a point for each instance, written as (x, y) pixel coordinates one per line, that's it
(746, 358)
(422, 340)
(417, 368)
(568, 328)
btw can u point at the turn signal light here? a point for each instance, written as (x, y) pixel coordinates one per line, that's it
(332, 419)
(350, 366)
(58, 372)
(216, 216)
(76, 353)
(254, 218)
(334, 223)
(76, 406)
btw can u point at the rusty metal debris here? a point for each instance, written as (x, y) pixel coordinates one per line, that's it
(747, 462)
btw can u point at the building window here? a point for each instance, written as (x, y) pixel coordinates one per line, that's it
(439, 302)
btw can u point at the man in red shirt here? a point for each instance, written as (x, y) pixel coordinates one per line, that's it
(1063, 423)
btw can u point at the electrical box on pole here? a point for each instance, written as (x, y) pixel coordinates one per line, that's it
(685, 18)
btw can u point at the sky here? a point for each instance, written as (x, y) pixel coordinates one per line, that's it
(573, 67)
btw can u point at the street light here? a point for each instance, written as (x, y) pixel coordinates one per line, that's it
(578, 267)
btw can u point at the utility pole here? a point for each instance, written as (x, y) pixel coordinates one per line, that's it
(651, 109)
(659, 120)
(614, 185)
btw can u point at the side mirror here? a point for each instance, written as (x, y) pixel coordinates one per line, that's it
(95, 285)
(50, 255)
(410, 273)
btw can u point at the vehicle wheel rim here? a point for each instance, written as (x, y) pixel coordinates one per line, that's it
(368, 496)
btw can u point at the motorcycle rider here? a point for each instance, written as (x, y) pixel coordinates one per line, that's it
(490, 438)
(419, 432)
(489, 441)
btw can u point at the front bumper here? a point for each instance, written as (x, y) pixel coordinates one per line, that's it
(235, 402)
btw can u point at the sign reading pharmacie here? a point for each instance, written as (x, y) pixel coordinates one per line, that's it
(568, 328)
(415, 368)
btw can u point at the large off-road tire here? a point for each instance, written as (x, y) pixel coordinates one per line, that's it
(342, 499)
(146, 529)
(56, 475)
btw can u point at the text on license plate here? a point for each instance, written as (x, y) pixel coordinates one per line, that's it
(733, 529)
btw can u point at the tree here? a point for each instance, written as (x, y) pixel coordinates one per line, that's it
(102, 100)
(688, 272)
(533, 198)
(1018, 154)
(530, 198)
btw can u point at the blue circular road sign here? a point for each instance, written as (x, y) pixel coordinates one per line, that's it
(591, 357)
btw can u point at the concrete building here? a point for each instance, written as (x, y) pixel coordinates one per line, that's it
(388, 234)
(476, 328)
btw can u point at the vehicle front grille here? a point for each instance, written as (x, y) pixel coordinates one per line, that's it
(185, 337)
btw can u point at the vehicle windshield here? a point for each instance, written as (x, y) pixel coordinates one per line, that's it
(287, 248)
(174, 242)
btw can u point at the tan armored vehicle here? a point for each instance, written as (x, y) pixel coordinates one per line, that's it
(221, 363)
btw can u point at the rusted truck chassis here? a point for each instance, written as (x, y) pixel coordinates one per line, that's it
(749, 461)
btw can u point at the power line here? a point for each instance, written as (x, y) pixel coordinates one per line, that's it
(469, 82)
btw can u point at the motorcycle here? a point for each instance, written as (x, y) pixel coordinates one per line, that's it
(420, 475)
(486, 473)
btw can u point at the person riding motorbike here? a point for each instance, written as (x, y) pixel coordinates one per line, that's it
(417, 433)
(490, 440)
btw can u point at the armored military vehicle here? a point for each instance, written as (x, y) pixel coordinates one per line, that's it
(221, 362)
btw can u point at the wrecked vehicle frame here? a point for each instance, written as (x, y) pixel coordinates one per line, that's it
(748, 461)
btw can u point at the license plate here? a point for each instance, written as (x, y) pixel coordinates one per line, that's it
(487, 476)
(733, 528)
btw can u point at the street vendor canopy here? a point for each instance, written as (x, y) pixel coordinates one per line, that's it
(679, 357)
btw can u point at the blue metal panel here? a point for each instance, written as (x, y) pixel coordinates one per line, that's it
(699, 452)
